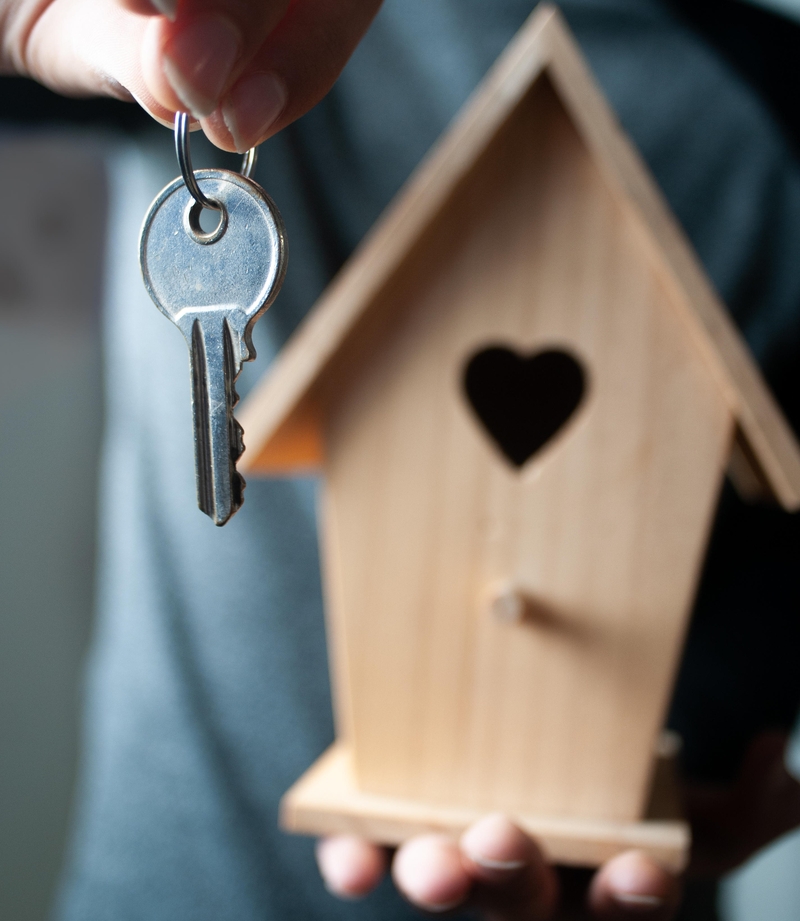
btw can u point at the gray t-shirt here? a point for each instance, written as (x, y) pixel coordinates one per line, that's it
(208, 686)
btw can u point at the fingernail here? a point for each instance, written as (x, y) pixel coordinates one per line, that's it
(168, 8)
(490, 864)
(494, 843)
(634, 901)
(251, 107)
(198, 62)
(440, 907)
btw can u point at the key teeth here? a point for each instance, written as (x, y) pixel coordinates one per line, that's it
(237, 488)
(238, 482)
(237, 432)
(248, 349)
(239, 444)
(234, 441)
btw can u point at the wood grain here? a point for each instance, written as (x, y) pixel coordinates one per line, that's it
(544, 43)
(605, 529)
(336, 316)
(326, 800)
(532, 225)
(763, 425)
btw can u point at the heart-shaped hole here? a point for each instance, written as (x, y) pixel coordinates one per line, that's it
(523, 401)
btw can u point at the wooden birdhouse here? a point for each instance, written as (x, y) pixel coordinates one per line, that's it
(522, 395)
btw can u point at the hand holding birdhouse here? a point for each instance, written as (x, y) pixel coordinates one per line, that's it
(508, 580)
(522, 430)
(498, 869)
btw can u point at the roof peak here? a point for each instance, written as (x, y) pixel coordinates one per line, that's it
(280, 415)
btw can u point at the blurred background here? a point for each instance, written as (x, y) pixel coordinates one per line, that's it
(54, 156)
(51, 260)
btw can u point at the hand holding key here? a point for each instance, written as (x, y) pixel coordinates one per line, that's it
(245, 69)
(214, 285)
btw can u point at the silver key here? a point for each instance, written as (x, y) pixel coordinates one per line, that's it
(214, 286)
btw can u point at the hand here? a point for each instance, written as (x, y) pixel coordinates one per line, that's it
(495, 867)
(498, 869)
(729, 824)
(244, 68)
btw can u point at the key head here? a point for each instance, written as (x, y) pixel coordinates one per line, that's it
(239, 266)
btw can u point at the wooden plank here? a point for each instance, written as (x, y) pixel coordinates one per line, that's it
(327, 801)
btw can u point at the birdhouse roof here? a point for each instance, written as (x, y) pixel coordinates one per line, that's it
(280, 416)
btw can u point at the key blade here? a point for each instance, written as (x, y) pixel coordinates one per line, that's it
(217, 433)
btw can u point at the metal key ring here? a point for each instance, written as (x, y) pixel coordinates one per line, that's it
(185, 161)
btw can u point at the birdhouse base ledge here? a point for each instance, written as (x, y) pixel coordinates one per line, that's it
(326, 800)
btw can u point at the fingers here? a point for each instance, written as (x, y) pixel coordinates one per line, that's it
(293, 69)
(513, 881)
(191, 61)
(633, 885)
(498, 869)
(429, 872)
(350, 866)
(246, 68)
(495, 867)
(86, 47)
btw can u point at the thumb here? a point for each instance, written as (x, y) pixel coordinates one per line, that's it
(83, 48)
